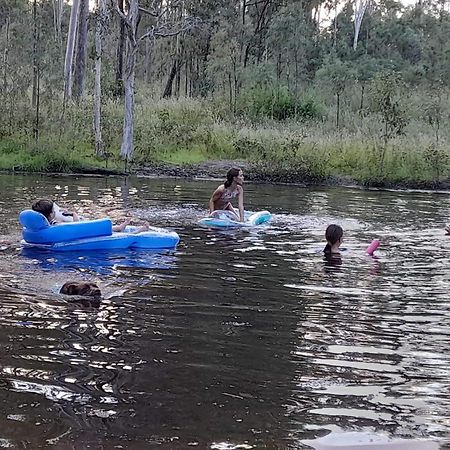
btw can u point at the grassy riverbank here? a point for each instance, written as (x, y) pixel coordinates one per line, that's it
(186, 133)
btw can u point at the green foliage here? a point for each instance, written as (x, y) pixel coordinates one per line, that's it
(387, 94)
(336, 74)
(278, 104)
(437, 159)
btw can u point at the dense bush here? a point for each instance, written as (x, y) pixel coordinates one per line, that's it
(276, 103)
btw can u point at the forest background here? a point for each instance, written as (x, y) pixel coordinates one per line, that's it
(302, 90)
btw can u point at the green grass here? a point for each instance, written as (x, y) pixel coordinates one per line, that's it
(183, 157)
(189, 132)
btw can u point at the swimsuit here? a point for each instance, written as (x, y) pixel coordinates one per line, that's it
(227, 195)
(223, 202)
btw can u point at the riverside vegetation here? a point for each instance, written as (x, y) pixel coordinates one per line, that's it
(186, 132)
(313, 108)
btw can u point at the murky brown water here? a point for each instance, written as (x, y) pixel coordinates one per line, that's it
(239, 339)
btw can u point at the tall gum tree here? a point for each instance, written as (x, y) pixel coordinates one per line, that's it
(68, 62)
(162, 26)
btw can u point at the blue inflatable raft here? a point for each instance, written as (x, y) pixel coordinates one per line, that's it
(89, 235)
(225, 219)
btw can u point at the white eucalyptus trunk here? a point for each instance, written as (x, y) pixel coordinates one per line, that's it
(68, 62)
(360, 9)
(127, 147)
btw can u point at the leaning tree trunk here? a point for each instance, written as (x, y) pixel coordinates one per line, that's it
(80, 59)
(68, 63)
(99, 27)
(169, 85)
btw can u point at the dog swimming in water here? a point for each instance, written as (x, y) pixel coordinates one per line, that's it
(83, 289)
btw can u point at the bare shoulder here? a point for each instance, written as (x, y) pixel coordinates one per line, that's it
(220, 189)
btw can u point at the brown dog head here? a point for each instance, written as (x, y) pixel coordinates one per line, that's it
(84, 289)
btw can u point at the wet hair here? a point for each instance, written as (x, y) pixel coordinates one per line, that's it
(44, 207)
(80, 288)
(332, 234)
(233, 172)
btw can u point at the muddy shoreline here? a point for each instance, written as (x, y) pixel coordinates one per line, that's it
(216, 170)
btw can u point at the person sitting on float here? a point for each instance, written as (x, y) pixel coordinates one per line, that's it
(222, 196)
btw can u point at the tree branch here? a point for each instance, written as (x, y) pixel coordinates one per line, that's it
(148, 11)
(122, 15)
(171, 29)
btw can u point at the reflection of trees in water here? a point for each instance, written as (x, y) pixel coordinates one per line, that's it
(244, 338)
(219, 352)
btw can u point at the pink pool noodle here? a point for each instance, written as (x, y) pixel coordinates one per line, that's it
(372, 247)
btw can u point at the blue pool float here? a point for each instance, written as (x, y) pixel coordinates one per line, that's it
(225, 219)
(89, 235)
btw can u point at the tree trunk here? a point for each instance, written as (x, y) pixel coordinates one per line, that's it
(119, 54)
(36, 116)
(168, 89)
(178, 74)
(178, 79)
(35, 63)
(35, 91)
(230, 89)
(99, 26)
(80, 60)
(360, 9)
(5, 57)
(127, 148)
(361, 105)
(68, 63)
(186, 78)
(335, 23)
(57, 18)
(148, 60)
(338, 107)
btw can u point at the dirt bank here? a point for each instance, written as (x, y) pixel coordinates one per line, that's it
(218, 169)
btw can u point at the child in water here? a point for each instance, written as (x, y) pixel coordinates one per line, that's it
(222, 196)
(47, 209)
(334, 236)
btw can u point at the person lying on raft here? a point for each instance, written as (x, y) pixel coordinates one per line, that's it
(47, 209)
(222, 196)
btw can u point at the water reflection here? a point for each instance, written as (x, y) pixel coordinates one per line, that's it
(239, 339)
(100, 262)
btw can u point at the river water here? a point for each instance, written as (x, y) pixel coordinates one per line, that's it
(238, 339)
